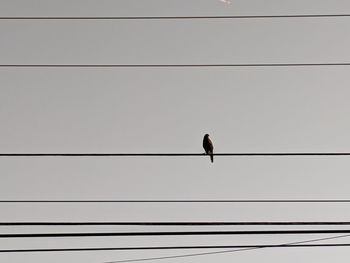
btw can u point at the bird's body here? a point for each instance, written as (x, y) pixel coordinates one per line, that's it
(208, 147)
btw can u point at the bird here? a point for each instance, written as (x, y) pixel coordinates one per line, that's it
(208, 146)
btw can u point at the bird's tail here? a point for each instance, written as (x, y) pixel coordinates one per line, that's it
(211, 157)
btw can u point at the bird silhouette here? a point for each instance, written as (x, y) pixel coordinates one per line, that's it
(208, 146)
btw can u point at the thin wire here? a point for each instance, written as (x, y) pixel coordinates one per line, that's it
(222, 252)
(281, 154)
(186, 201)
(165, 248)
(176, 233)
(171, 223)
(168, 17)
(172, 65)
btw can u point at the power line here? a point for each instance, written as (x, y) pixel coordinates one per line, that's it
(186, 201)
(222, 252)
(172, 223)
(178, 233)
(170, 17)
(220, 65)
(167, 248)
(271, 154)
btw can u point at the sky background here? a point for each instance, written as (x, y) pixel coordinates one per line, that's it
(161, 110)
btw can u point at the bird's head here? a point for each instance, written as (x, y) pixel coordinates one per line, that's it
(206, 136)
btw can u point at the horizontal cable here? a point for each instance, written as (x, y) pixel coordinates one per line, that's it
(186, 201)
(170, 154)
(178, 233)
(171, 223)
(169, 17)
(169, 248)
(172, 65)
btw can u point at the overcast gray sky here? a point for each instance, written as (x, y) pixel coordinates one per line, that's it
(145, 110)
